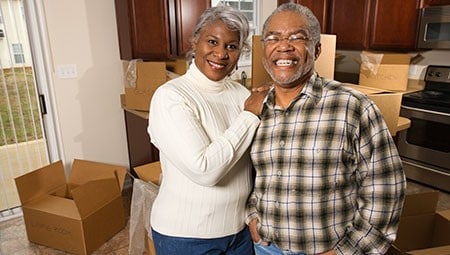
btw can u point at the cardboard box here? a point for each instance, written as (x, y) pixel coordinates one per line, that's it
(77, 215)
(141, 79)
(388, 102)
(324, 65)
(149, 173)
(422, 230)
(384, 70)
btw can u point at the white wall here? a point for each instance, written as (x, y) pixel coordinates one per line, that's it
(84, 33)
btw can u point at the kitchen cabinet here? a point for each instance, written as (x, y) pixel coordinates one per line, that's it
(318, 7)
(394, 24)
(368, 24)
(156, 30)
(350, 27)
(375, 24)
(427, 3)
(140, 150)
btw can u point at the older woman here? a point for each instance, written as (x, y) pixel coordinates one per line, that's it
(203, 123)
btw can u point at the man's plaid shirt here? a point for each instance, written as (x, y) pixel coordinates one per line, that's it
(328, 174)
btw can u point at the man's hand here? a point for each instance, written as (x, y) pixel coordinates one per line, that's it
(254, 233)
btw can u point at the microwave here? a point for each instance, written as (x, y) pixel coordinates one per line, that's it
(434, 28)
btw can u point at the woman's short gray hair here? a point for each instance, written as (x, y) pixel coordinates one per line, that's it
(233, 18)
(314, 25)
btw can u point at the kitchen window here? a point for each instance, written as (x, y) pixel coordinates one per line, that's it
(250, 9)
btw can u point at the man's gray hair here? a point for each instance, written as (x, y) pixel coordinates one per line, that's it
(314, 25)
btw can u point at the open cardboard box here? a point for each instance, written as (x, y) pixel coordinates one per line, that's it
(422, 229)
(150, 172)
(77, 215)
(388, 102)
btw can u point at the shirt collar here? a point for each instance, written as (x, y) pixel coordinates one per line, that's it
(312, 89)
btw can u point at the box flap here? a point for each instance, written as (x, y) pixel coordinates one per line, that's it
(95, 194)
(39, 182)
(420, 203)
(367, 90)
(445, 214)
(55, 205)
(442, 250)
(149, 172)
(441, 235)
(415, 232)
(84, 171)
(374, 57)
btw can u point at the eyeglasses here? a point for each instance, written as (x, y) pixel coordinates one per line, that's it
(292, 39)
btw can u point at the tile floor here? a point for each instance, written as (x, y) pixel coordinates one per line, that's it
(13, 238)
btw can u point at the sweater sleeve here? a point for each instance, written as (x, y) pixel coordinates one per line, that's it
(176, 130)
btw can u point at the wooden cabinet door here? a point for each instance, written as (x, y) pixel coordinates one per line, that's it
(318, 7)
(156, 29)
(394, 24)
(350, 23)
(188, 12)
(427, 3)
(143, 29)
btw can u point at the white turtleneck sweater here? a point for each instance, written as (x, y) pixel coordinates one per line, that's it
(203, 135)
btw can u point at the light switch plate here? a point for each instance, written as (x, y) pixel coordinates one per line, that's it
(67, 71)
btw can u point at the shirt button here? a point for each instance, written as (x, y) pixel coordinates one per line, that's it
(279, 173)
(282, 143)
(318, 150)
(277, 205)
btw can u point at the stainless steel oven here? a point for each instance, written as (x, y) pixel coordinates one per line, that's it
(434, 27)
(425, 146)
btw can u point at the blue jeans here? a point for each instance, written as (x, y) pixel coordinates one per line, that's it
(238, 244)
(272, 249)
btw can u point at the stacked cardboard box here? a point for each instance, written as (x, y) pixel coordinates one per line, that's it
(384, 70)
(141, 79)
(422, 229)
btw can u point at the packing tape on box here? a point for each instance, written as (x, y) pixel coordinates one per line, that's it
(131, 73)
(371, 62)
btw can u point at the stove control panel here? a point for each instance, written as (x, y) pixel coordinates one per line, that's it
(438, 74)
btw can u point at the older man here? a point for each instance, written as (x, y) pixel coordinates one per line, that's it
(329, 179)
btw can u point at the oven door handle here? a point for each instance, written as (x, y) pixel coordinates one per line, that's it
(426, 111)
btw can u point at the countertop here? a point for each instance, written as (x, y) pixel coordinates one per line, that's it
(403, 123)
